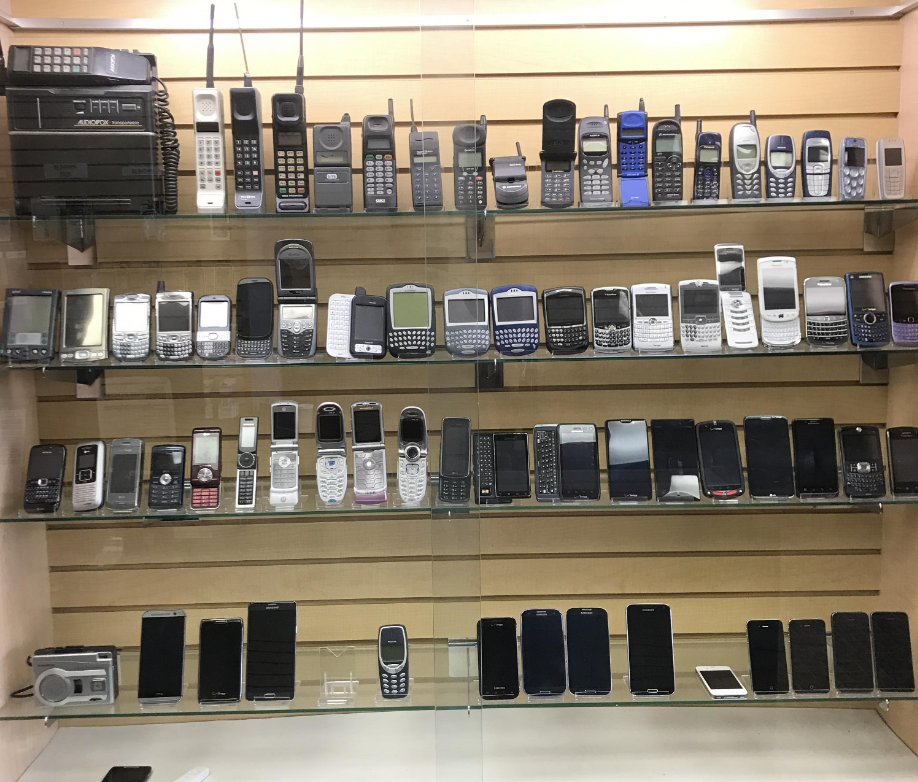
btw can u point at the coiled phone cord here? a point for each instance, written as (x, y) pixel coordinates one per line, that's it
(169, 146)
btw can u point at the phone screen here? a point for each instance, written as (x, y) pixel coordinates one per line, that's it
(851, 651)
(455, 447)
(824, 298)
(862, 446)
(410, 310)
(720, 679)
(781, 159)
(769, 466)
(721, 466)
(809, 655)
(45, 462)
(331, 427)
(30, 320)
(295, 268)
(515, 309)
(205, 449)
(611, 308)
(579, 461)
(675, 454)
(589, 670)
(220, 660)
(369, 323)
(270, 663)
(162, 656)
(731, 269)
(511, 460)
(248, 434)
(904, 303)
(255, 309)
(460, 311)
(368, 426)
(498, 666)
(651, 667)
(412, 430)
(652, 305)
(767, 656)
(816, 464)
(629, 460)
(565, 309)
(283, 425)
(165, 460)
(903, 459)
(698, 301)
(213, 315)
(123, 477)
(542, 650)
(892, 648)
(779, 288)
(855, 157)
(892, 156)
(131, 316)
(817, 153)
(86, 320)
(868, 292)
(173, 316)
(128, 774)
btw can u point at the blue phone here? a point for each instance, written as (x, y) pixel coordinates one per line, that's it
(515, 311)
(632, 156)
(868, 313)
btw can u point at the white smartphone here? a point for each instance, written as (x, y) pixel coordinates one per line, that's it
(779, 301)
(891, 167)
(720, 682)
(338, 336)
(699, 316)
(739, 319)
(652, 308)
(285, 455)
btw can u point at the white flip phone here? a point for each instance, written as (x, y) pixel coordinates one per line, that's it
(89, 475)
(891, 167)
(699, 316)
(779, 301)
(207, 105)
(652, 313)
(412, 455)
(739, 319)
(338, 336)
(331, 446)
(285, 455)
(369, 449)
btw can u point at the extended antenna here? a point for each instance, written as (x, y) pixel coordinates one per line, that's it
(392, 110)
(641, 105)
(519, 150)
(210, 52)
(698, 128)
(752, 117)
(246, 79)
(414, 127)
(299, 63)
(605, 111)
(678, 113)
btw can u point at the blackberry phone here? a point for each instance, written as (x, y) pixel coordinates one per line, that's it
(167, 477)
(455, 460)
(331, 448)
(706, 184)
(392, 656)
(466, 322)
(29, 324)
(247, 463)
(44, 478)
(174, 324)
(542, 652)
(285, 455)
(220, 661)
(559, 153)
(426, 174)
(675, 459)
(595, 140)
(816, 162)
(162, 657)
(516, 319)
(470, 171)
(369, 449)
(270, 661)
(611, 308)
(780, 168)
(631, 142)
(331, 150)
(206, 466)
(767, 656)
(809, 656)
(84, 324)
(131, 326)
(892, 651)
(412, 455)
(891, 167)
(779, 301)
(546, 457)
(212, 339)
(719, 456)
(769, 466)
(667, 158)
(867, 309)
(254, 317)
(652, 317)
(862, 462)
(511, 188)
(589, 669)
(903, 305)
(88, 476)
(411, 328)
(628, 458)
(851, 651)
(297, 298)
(368, 324)
(579, 465)
(815, 461)
(745, 166)
(498, 662)
(825, 306)
(651, 664)
(566, 329)
(125, 474)
(852, 168)
(380, 186)
(699, 316)
(902, 452)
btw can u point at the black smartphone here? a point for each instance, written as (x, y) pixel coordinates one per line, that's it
(851, 651)
(628, 456)
(769, 466)
(579, 462)
(719, 455)
(542, 650)
(767, 657)
(220, 661)
(254, 317)
(511, 464)
(589, 669)
(651, 664)
(270, 663)
(675, 459)
(863, 476)
(455, 460)
(902, 446)
(162, 656)
(809, 655)
(128, 774)
(892, 651)
(44, 478)
(815, 459)
(498, 665)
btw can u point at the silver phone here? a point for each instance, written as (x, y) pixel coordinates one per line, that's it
(412, 455)
(174, 325)
(212, 340)
(88, 475)
(84, 324)
(825, 303)
(369, 449)
(285, 455)
(125, 474)
(131, 326)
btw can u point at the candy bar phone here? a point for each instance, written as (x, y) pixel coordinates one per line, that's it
(745, 166)
(611, 309)
(667, 159)
(891, 167)
(780, 167)
(867, 310)
(466, 321)
(595, 161)
(816, 164)
(852, 168)
(706, 185)
(825, 305)
(903, 305)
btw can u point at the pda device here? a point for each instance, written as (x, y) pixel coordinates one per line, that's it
(207, 106)
(285, 455)
(367, 325)
(891, 168)
(206, 467)
(745, 167)
(631, 141)
(862, 462)
(780, 167)
(699, 316)
(369, 449)
(212, 338)
(501, 467)
(566, 330)
(29, 324)
(248, 154)
(174, 323)
(816, 157)
(825, 309)
(903, 308)
(511, 188)
(426, 169)
(867, 309)
(44, 478)
(779, 301)
(467, 323)
(611, 308)
(166, 490)
(331, 447)
(254, 317)
(411, 328)
(666, 142)
(291, 154)
(332, 167)
(706, 183)
(652, 317)
(547, 462)
(852, 168)
(125, 474)
(595, 140)
(88, 475)
(412, 455)
(392, 648)
(131, 326)
(559, 153)
(380, 188)
(84, 324)
(297, 298)
(455, 481)
(516, 319)
(469, 167)
(247, 463)
(902, 449)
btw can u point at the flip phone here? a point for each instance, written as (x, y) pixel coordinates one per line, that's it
(558, 155)
(331, 149)
(331, 463)
(285, 455)
(632, 156)
(369, 449)
(412, 455)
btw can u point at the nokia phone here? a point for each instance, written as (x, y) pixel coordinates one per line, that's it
(469, 166)
(270, 660)
(332, 171)
(426, 169)
(501, 462)
(331, 449)
(212, 338)
(851, 651)
(547, 462)
(206, 467)
(498, 661)
(297, 298)
(767, 656)
(903, 306)
(542, 652)
(862, 462)
(125, 474)
(611, 310)
(902, 451)
(392, 656)
(247, 463)
(719, 457)
(220, 661)
(380, 188)
(721, 683)
(338, 331)
(412, 455)
(825, 307)
(254, 317)
(780, 168)
(816, 164)
(809, 656)
(652, 319)
(368, 446)
(867, 310)
(455, 460)
(44, 478)
(745, 164)
(131, 326)
(162, 657)
(559, 153)
(207, 106)
(892, 651)
(174, 324)
(651, 664)
(779, 301)
(285, 455)
(84, 324)
(595, 139)
(628, 457)
(411, 328)
(511, 187)
(29, 324)
(516, 319)
(248, 153)
(466, 321)
(566, 329)
(852, 168)
(769, 465)
(166, 490)
(579, 465)
(891, 168)
(666, 145)
(368, 325)
(631, 143)
(706, 184)
(88, 475)
(699, 316)
(675, 459)
(589, 669)
(815, 459)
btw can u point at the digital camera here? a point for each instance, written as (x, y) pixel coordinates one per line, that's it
(66, 675)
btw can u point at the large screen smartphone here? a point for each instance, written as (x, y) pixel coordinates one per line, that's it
(767, 656)
(892, 651)
(220, 661)
(579, 462)
(809, 655)
(851, 651)
(628, 456)
(675, 459)
(769, 466)
(542, 650)
(162, 656)
(651, 665)
(721, 466)
(498, 664)
(270, 663)
(815, 458)
(589, 670)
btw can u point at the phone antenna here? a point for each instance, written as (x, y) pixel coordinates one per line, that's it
(752, 116)
(414, 127)
(484, 121)
(678, 114)
(698, 127)
(299, 63)
(246, 79)
(641, 105)
(210, 52)
(519, 150)
(392, 110)
(605, 111)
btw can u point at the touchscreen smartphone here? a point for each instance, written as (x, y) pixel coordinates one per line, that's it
(769, 466)
(270, 663)
(220, 661)
(498, 664)
(809, 655)
(767, 656)
(851, 651)
(162, 656)
(892, 651)
(651, 665)
(542, 650)
(589, 669)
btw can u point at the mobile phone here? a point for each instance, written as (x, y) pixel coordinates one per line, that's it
(903, 305)
(720, 682)
(412, 455)
(501, 466)
(426, 174)
(338, 333)
(767, 656)
(285, 455)
(29, 324)
(769, 466)
(131, 326)
(851, 651)
(706, 185)
(891, 167)
(411, 328)
(88, 475)
(631, 142)
(542, 652)
(44, 478)
(862, 462)
(380, 190)
(579, 466)
(719, 456)
(511, 188)
(212, 339)
(816, 162)
(825, 304)
(779, 301)
(297, 298)
(466, 322)
(852, 168)
(730, 263)
(558, 155)
(780, 167)
(174, 324)
(867, 309)
(84, 324)
(649, 634)
(270, 661)
(162, 656)
(516, 319)
(254, 317)
(220, 661)
(815, 462)
(392, 656)
(247, 463)
(331, 150)
(667, 158)
(206, 467)
(628, 458)
(699, 316)
(892, 651)
(675, 459)
(739, 319)
(470, 174)
(248, 167)
(125, 474)
(498, 662)
(455, 460)
(331, 447)
(809, 655)
(589, 669)
(547, 461)
(595, 140)
(565, 320)
(611, 309)
(367, 338)
(652, 320)
(745, 166)
(209, 130)
(369, 449)
(128, 774)
(902, 451)
(167, 477)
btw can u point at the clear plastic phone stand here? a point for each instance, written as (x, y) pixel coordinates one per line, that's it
(648, 697)
(338, 687)
(545, 698)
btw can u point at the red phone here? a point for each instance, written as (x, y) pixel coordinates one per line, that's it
(206, 465)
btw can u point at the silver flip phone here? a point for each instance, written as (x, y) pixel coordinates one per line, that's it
(412, 455)
(331, 446)
(369, 449)
(285, 455)
(89, 475)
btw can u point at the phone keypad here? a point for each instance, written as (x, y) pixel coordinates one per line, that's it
(484, 468)
(782, 187)
(558, 188)
(44, 493)
(338, 337)
(296, 341)
(653, 330)
(245, 488)
(331, 477)
(612, 337)
(738, 319)
(470, 189)
(291, 173)
(84, 496)
(205, 497)
(453, 489)
(379, 175)
(247, 171)
(747, 186)
(893, 181)
(418, 342)
(426, 185)
(546, 459)
(369, 477)
(567, 337)
(468, 341)
(208, 349)
(667, 177)
(253, 348)
(516, 339)
(833, 332)
(210, 163)
(905, 333)
(852, 183)
(173, 349)
(596, 181)
(412, 480)
(707, 184)
(704, 332)
(864, 479)
(817, 179)
(782, 333)
(131, 348)
(394, 685)
(166, 491)
(871, 333)
(60, 59)
(632, 158)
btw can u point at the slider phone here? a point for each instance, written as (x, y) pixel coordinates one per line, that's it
(825, 305)
(651, 664)
(270, 661)
(209, 131)
(470, 173)
(815, 461)
(162, 657)
(891, 168)
(392, 654)
(628, 457)
(254, 317)
(816, 164)
(501, 466)
(220, 661)
(331, 149)
(29, 324)
(455, 481)
(516, 319)
(498, 662)
(84, 324)
(380, 186)
(675, 459)
(426, 176)
(780, 168)
(892, 651)
(745, 165)
(667, 159)
(338, 333)
(559, 154)
(809, 656)
(542, 652)
(466, 321)
(589, 669)
(769, 467)
(547, 462)
(44, 478)
(719, 456)
(852, 168)
(595, 141)
(902, 449)
(706, 185)
(903, 305)
(851, 651)
(779, 301)
(631, 142)
(767, 656)
(867, 309)
(206, 467)
(88, 476)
